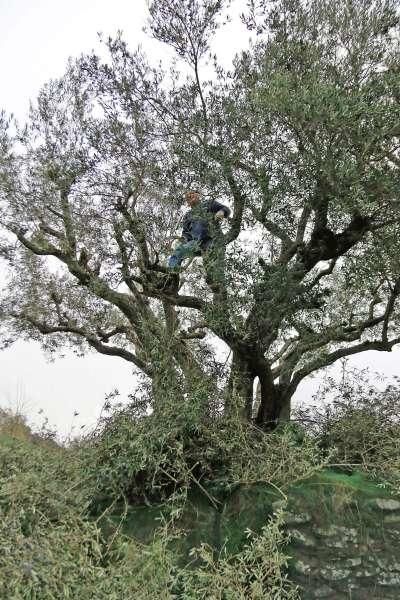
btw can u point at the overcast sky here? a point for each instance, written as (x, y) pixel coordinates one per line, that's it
(36, 39)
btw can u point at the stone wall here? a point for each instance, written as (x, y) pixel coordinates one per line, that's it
(359, 561)
(344, 532)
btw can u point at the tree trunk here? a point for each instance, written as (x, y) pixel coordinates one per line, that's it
(240, 387)
(285, 405)
(285, 412)
(272, 404)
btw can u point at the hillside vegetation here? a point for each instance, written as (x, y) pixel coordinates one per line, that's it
(174, 506)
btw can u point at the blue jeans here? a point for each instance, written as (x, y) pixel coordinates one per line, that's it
(191, 248)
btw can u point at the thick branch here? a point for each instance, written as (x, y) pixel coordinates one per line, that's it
(51, 231)
(322, 273)
(239, 201)
(301, 227)
(68, 222)
(137, 230)
(91, 339)
(177, 300)
(332, 357)
(326, 245)
(126, 274)
(40, 250)
(389, 309)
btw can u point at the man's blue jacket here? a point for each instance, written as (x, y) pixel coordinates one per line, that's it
(197, 220)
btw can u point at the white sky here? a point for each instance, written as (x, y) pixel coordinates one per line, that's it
(36, 39)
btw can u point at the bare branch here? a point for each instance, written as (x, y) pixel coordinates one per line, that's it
(91, 339)
(68, 221)
(395, 291)
(239, 202)
(329, 359)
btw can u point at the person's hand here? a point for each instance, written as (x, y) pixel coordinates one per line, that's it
(219, 215)
(176, 241)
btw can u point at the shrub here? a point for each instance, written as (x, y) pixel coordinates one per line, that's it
(153, 458)
(360, 421)
(50, 548)
(256, 573)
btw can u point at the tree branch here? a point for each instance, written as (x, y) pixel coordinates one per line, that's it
(317, 340)
(301, 227)
(40, 250)
(91, 339)
(395, 291)
(68, 222)
(332, 357)
(239, 201)
(137, 230)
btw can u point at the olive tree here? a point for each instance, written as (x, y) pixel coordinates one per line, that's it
(299, 137)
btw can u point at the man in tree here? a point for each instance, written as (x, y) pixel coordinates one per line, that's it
(200, 233)
(197, 228)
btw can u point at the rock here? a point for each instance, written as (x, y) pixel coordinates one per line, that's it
(296, 518)
(323, 592)
(388, 504)
(353, 562)
(301, 538)
(340, 544)
(346, 533)
(387, 579)
(391, 519)
(331, 573)
(301, 567)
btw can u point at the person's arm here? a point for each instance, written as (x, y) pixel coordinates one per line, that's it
(186, 227)
(216, 208)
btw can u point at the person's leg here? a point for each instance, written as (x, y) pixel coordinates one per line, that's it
(181, 252)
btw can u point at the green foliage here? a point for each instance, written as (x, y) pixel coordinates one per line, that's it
(361, 422)
(45, 543)
(155, 457)
(254, 574)
(51, 548)
(63, 533)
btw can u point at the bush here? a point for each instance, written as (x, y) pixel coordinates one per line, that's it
(254, 574)
(14, 424)
(360, 422)
(154, 458)
(51, 548)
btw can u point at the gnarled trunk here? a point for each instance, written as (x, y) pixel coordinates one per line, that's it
(271, 404)
(240, 387)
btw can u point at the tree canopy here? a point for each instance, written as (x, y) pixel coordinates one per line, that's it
(300, 137)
